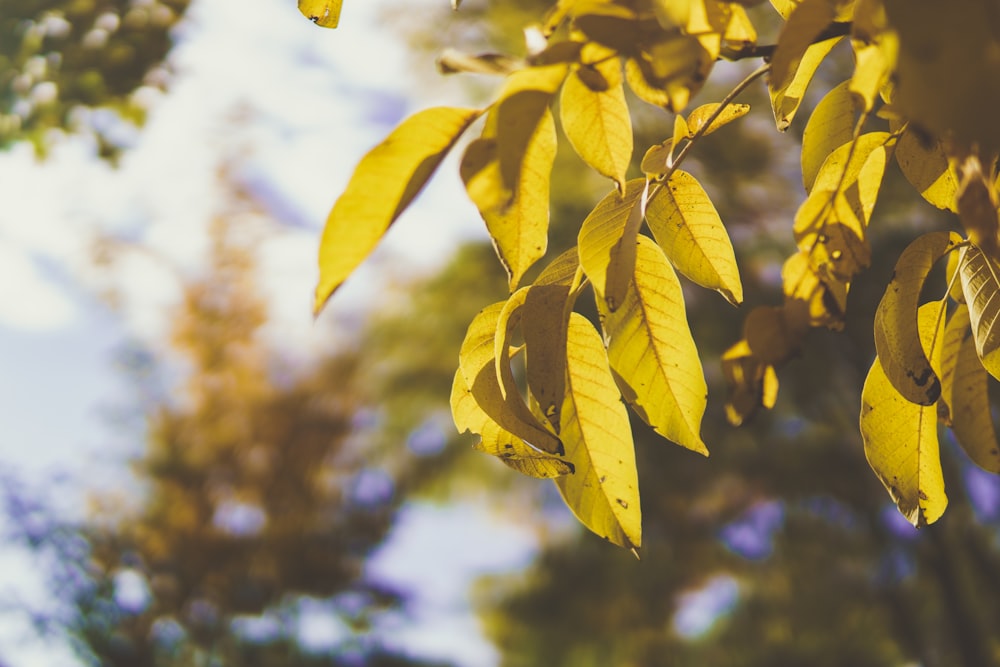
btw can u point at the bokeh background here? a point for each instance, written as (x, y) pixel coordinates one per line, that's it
(195, 472)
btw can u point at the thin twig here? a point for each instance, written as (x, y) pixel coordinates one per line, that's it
(740, 87)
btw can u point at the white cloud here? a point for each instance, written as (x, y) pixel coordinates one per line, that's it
(28, 300)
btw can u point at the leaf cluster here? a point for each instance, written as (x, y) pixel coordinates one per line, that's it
(546, 388)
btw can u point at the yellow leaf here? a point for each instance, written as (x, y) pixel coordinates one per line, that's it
(643, 89)
(806, 22)
(739, 30)
(672, 13)
(667, 72)
(785, 7)
(545, 318)
(836, 173)
(931, 326)
(517, 221)
(324, 13)
(604, 491)
(521, 110)
(681, 131)
(785, 100)
(607, 241)
(901, 445)
(927, 169)
(955, 332)
(497, 442)
(707, 21)
(970, 409)
(597, 122)
(825, 299)
(952, 276)
(830, 231)
(830, 126)
(981, 284)
(751, 383)
(897, 338)
(478, 367)
(658, 158)
(688, 228)
(382, 186)
(978, 204)
(700, 115)
(653, 353)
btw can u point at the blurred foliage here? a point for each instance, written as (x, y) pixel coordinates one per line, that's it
(262, 498)
(81, 65)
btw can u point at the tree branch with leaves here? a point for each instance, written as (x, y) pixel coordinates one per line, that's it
(546, 388)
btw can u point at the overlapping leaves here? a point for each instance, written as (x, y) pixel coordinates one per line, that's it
(547, 391)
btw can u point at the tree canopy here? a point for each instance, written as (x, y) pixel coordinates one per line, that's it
(544, 379)
(80, 66)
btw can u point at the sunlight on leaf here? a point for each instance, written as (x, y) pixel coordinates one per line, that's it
(901, 445)
(785, 100)
(517, 221)
(657, 159)
(607, 241)
(806, 22)
(688, 228)
(597, 122)
(603, 493)
(384, 183)
(830, 126)
(521, 108)
(927, 170)
(653, 353)
(700, 115)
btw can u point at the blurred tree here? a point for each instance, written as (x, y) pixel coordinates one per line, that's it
(261, 502)
(81, 65)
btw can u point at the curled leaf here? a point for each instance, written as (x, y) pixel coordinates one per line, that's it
(478, 367)
(897, 338)
(496, 441)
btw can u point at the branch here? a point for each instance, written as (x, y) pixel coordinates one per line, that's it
(766, 51)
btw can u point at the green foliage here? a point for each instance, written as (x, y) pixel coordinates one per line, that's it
(60, 60)
(891, 108)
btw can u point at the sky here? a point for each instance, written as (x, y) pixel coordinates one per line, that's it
(288, 109)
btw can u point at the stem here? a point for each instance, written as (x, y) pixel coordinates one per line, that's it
(766, 51)
(740, 87)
